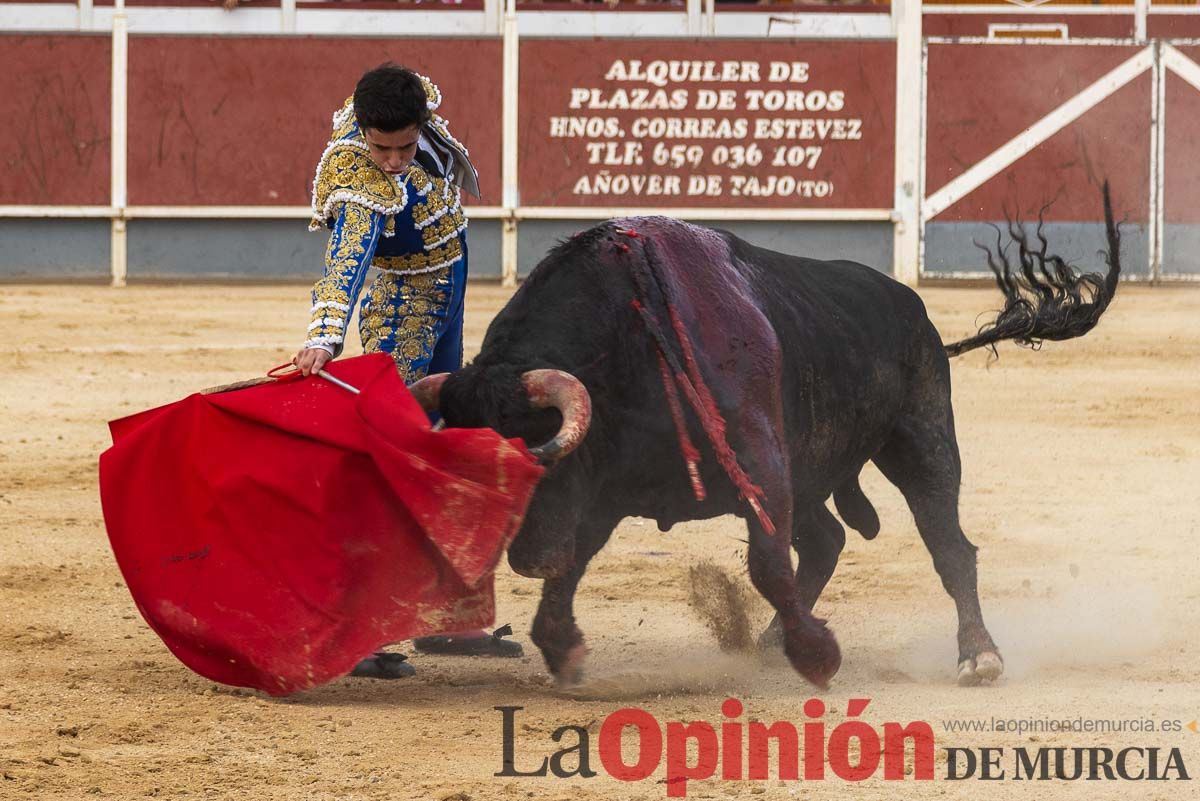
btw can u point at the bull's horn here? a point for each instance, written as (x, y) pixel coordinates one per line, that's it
(428, 390)
(554, 389)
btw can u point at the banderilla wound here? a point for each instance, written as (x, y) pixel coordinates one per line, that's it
(696, 390)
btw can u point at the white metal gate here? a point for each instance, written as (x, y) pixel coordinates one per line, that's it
(1178, 183)
(1172, 227)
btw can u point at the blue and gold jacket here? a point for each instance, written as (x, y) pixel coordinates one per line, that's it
(411, 223)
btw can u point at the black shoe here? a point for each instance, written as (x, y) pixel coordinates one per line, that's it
(384, 665)
(471, 644)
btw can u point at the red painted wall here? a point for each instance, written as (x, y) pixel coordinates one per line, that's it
(243, 120)
(1079, 26)
(1173, 26)
(56, 102)
(981, 96)
(558, 169)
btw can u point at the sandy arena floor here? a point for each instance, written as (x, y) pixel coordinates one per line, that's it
(1082, 476)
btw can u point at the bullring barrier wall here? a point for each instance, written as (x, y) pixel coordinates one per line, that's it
(844, 133)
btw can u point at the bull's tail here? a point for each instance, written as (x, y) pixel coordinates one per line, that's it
(1044, 297)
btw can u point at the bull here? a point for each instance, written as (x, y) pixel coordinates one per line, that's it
(674, 372)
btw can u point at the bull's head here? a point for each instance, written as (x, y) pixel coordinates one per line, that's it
(543, 390)
(551, 411)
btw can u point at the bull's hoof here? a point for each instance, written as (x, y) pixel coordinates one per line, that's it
(986, 666)
(570, 672)
(816, 656)
(383, 665)
(819, 666)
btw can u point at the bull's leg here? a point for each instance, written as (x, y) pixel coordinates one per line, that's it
(809, 645)
(818, 547)
(922, 461)
(554, 630)
(818, 539)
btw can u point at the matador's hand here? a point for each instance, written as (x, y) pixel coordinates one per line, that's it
(311, 360)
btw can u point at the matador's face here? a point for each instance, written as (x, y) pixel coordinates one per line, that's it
(392, 151)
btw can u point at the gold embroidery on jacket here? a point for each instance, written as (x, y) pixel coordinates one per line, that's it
(343, 119)
(443, 228)
(343, 260)
(432, 259)
(346, 174)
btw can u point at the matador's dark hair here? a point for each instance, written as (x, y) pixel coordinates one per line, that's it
(390, 97)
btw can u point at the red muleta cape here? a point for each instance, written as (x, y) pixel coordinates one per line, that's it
(273, 536)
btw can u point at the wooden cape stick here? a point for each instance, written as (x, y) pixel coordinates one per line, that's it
(267, 379)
